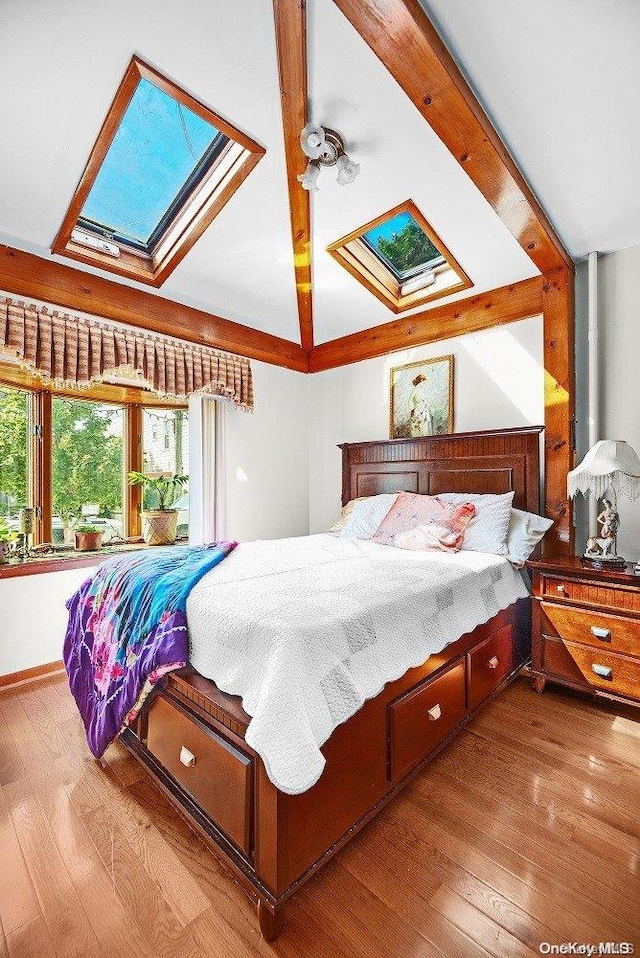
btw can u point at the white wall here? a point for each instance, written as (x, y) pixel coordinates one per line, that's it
(619, 303)
(498, 382)
(266, 488)
(34, 617)
(267, 458)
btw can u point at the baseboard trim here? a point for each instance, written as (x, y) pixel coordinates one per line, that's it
(30, 675)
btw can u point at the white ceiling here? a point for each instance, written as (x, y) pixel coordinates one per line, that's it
(401, 158)
(560, 80)
(556, 75)
(60, 66)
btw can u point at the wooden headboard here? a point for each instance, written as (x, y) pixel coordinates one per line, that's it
(496, 461)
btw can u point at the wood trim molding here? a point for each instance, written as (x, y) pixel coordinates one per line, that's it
(499, 306)
(291, 41)
(45, 670)
(133, 463)
(26, 275)
(351, 253)
(198, 210)
(559, 406)
(420, 63)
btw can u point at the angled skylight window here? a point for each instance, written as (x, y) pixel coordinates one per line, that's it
(400, 259)
(162, 168)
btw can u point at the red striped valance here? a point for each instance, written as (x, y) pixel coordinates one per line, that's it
(72, 352)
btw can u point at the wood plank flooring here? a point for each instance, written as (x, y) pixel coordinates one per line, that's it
(524, 830)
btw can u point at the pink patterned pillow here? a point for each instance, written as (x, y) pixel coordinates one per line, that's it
(424, 522)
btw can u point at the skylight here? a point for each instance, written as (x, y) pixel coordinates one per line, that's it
(157, 149)
(400, 259)
(162, 168)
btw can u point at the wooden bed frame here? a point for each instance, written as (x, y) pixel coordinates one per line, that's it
(190, 735)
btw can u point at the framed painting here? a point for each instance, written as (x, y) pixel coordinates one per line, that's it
(421, 398)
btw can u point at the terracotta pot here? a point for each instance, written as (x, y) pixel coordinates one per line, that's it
(88, 541)
(159, 527)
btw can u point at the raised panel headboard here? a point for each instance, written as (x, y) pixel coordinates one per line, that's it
(496, 461)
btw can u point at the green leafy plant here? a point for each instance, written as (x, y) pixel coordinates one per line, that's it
(88, 529)
(165, 487)
(408, 248)
(6, 535)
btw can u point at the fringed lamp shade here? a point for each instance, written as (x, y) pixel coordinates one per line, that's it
(612, 465)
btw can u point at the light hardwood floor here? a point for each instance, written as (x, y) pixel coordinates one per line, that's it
(524, 830)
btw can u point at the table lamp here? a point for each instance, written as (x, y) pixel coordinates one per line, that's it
(609, 468)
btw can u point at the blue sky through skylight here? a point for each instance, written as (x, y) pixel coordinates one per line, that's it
(157, 146)
(386, 230)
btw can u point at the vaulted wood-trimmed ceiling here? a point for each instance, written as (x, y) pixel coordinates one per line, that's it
(260, 280)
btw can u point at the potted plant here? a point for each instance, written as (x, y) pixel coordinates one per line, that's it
(6, 538)
(88, 538)
(159, 526)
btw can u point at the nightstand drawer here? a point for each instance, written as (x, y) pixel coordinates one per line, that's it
(581, 591)
(611, 633)
(592, 668)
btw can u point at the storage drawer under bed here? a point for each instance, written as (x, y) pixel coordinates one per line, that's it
(423, 717)
(215, 773)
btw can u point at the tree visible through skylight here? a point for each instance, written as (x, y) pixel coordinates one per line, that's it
(402, 244)
(157, 149)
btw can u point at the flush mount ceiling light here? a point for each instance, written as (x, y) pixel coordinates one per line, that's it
(325, 147)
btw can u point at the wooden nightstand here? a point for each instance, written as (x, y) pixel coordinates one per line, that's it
(586, 628)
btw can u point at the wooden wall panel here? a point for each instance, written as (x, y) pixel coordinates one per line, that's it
(559, 404)
(26, 275)
(291, 39)
(504, 305)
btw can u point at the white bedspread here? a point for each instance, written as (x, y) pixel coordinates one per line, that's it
(306, 629)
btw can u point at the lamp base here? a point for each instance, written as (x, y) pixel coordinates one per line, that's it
(604, 562)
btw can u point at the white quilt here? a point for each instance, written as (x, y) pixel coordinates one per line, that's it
(305, 630)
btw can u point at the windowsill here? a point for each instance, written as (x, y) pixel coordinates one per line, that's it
(62, 559)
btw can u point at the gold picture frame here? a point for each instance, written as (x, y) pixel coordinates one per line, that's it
(415, 409)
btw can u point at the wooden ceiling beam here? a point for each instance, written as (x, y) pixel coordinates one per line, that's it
(291, 40)
(482, 311)
(406, 42)
(25, 275)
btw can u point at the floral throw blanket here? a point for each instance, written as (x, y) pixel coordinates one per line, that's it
(127, 628)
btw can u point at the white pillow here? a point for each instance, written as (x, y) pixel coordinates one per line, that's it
(488, 531)
(526, 529)
(366, 516)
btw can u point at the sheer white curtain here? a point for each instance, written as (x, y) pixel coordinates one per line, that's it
(206, 479)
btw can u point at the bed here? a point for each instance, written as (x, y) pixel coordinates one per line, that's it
(193, 738)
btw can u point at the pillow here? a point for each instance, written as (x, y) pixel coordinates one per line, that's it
(424, 522)
(366, 515)
(526, 529)
(489, 530)
(345, 512)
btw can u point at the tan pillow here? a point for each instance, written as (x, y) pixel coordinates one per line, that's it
(345, 512)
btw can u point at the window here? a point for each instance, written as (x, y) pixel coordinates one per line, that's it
(153, 186)
(400, 259)
(15, 487)
(165, 451)
(69, 457)
(88, 467)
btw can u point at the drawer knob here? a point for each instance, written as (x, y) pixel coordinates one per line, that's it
(560, 589)
(434, 713)
(602, 670)
(603, 634)
(187, 758)
(493, 663)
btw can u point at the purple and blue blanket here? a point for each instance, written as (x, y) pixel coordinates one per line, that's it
(127, 628)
